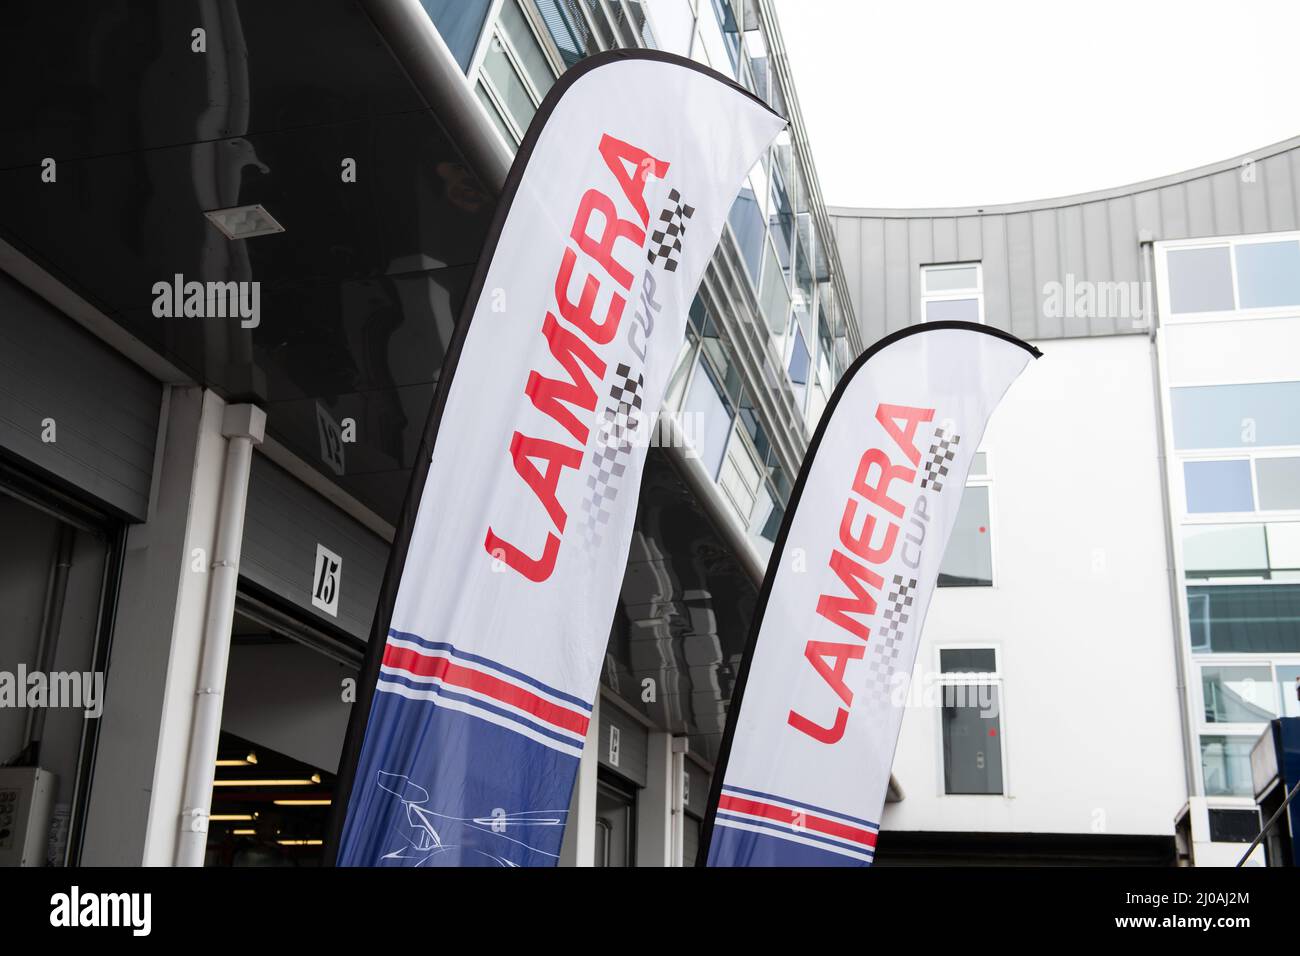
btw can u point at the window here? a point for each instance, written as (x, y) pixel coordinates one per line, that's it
(1238, 699)
(968, 660)
(1225, 550)
(774, 299)
(1218, 486)
(515, 73)
(781, 217)
(674, 24)
(1200, 280)
(748, 225)
(952, 292)
(707, 417)
(740, 476)
(1277, 482)
(1260, 482)
(1225, 765)
(971, 719)
(1233, 826)
(799, 363)
(1238, 694)
(1268, 274)
(968, 562)
(1245, 273)
(460, 22)
(568, 29)
(726, 22)
(1236, 416)
(1244, 618)
(1288, 689)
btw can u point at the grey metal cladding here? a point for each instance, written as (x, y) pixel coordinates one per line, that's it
(633, 742)
(282, 527)
(1092, 236)
(103, 408)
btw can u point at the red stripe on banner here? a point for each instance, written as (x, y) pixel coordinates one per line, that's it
(441, 668)
(786, 815)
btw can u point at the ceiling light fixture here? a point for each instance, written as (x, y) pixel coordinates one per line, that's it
(251, 759)
(290, 782)
(302, 803)
(243, 222)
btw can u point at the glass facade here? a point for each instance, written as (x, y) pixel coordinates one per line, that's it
(773, 234)
(726, 431)
(514, 73)
(1234, 477)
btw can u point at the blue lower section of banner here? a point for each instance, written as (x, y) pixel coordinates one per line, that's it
(438, 787)
(732, 847)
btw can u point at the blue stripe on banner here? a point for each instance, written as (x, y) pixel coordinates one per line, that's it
(436, 787)
(732, 847)
(442, 691)
(726, 787)
(477, 659)
(786, 828)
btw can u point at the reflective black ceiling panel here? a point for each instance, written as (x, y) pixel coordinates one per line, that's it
(358, 296)
(119, 76)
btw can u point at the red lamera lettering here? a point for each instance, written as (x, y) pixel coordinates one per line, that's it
(857, 578)
(601, 247)
(631, 167)
(618, 155)
(890, 415)
(875, 474)
(548, 393)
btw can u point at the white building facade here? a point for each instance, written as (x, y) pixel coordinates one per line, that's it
(1101, 665)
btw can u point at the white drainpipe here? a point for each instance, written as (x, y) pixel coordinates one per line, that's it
(243, 426)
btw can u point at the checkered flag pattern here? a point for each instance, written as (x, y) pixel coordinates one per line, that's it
(887, 643)
(941, 456)
(618, 423)
(668, 238)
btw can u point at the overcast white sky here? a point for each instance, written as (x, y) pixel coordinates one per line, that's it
(951, 103)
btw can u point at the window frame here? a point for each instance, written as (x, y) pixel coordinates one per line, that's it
(981, 481)
(1232, 242)
(1252, 729)
(969, 679)
(478, 76)
(1251, 455)
(1239, 730)
(949, 295)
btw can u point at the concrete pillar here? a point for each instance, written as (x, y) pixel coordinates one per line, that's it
(654, 806)
(680, 747)
(579, 847)
(243, 426)
(144, 736)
